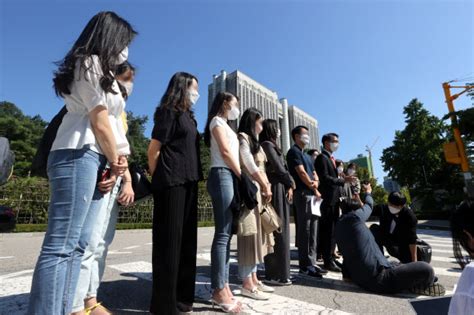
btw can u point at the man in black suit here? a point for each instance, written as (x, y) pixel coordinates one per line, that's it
(330, 189)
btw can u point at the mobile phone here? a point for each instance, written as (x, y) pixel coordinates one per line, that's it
(105, 174)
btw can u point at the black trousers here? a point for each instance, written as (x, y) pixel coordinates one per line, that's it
(174, 248)
(398, 250)
(404, 277)
(307, 230)
(327, 239)
(277, 264)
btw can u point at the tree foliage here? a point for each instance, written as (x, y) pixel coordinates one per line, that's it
(23, 132)
(416, 158)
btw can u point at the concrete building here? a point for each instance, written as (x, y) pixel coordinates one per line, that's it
(365, 162)
(390, 185)
(255, 94)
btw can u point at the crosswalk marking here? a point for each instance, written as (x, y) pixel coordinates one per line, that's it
(276, 305)
(15, 286)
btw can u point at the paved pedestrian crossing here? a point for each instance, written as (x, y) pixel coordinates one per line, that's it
(14, 287)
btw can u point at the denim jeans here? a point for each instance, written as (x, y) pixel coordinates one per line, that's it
(246, 271)
(220, 186)
(75, 202)
(93, 261)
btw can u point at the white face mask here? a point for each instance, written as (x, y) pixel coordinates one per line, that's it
(340, 169)
(394, 210)
(193, 96)
(278, 133)
(234, 113)
(334, 146)
(351, 172)
(305, 138)
(122, 57)
(128, 86)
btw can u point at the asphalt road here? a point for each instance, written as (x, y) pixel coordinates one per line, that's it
(126, 285)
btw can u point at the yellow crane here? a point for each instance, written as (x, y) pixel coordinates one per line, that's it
(455, 152)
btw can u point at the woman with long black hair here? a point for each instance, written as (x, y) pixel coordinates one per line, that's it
(277, 264)
(90, 134)
(174, 162)
(94, 259)
(225, 169)
(252, 248)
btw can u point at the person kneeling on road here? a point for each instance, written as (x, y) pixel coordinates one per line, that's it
(397, 229)
(366, 265)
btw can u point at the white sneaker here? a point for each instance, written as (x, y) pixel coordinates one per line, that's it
(265, 288)
(255, 294)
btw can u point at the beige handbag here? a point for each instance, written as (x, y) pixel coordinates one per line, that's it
(247, 222)
(271, 222)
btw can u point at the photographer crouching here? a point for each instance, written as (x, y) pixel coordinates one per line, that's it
(365, 264)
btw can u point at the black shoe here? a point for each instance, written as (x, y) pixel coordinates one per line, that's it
(435, 289)
(320, 270)
(311, 273)
(331, 266)
(338, 263)
(184, 308)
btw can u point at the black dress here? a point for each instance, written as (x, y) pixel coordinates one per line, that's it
(277, 264)
(175, 193)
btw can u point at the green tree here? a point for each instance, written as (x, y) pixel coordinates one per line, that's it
(23, 132)
(137, 139)
(378, 192)
(416, 158)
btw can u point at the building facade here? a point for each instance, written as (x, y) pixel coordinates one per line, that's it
(365, 162)
(253, 94)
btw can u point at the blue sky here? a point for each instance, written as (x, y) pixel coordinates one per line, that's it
(351, 64)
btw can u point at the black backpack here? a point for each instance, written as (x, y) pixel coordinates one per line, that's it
(40, 161)
(423, 251)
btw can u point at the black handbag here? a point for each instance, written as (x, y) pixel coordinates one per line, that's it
(140, 183)
(423, 251)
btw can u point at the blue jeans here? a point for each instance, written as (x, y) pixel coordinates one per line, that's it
(220, 186)
(246, 271)
(74, 205)
(93, 261)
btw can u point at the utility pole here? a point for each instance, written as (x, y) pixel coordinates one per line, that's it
(455, 153)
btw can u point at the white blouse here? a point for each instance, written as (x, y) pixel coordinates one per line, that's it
(247, 157)
(231, 137)
(462, 301)
(75, 130)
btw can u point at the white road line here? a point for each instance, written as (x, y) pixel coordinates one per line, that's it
(148, 244)
(437, 241)
(113, 252)
(443, 259)
(443, 251)
(7, 257)
(132, 247)
(433, 245)
(449, 272)
(276, 305)
(15, 274)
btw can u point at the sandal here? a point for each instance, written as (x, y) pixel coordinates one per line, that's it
(92, 308)
(227, 308)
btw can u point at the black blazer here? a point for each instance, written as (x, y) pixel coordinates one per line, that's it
(405, 230)
(329, 183)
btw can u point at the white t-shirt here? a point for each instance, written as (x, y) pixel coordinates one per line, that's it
(462, 301)
(233, 142)
(86, 94)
